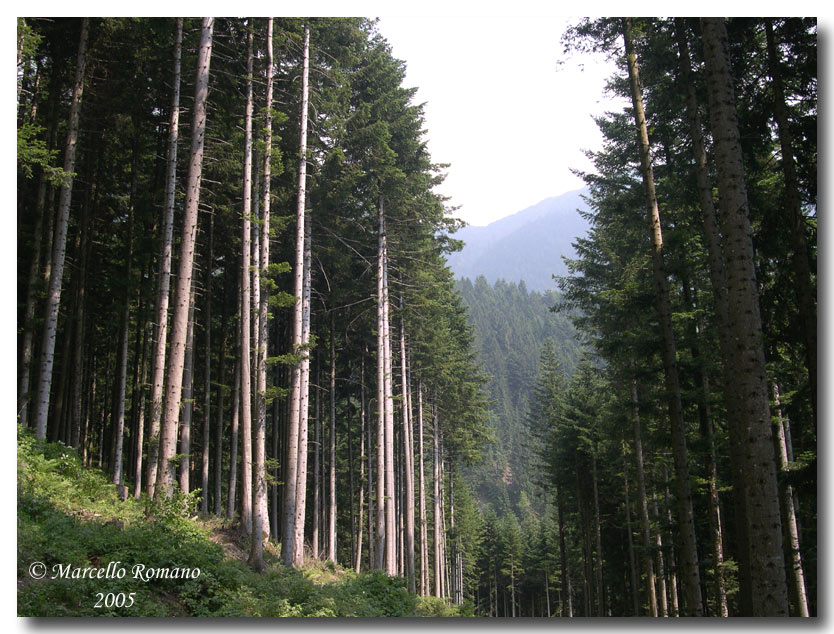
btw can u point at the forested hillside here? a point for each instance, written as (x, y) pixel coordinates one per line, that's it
(511, 326)
(237, 323)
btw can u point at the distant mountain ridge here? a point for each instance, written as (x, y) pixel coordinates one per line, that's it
(527, 245)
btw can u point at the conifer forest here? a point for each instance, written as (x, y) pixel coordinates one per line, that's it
(249, 383)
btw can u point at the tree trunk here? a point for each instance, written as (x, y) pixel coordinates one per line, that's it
(767, 568)
(719, 291)
(179, 325)
(390, 486)
(689, 553)
(421, 483)
(795, 570)
(315, 538)
(187, 401)
(288, 534)
(118, 476)
(643, 502)
(204, 480)
(259, 521)
(438, 518)
(408, 459)
(567, 601)
(597, 540)
(164, 276)
(53, 298)
(632, 563)
(363, 424)
(221, 406)
(246, 309)
(331, 498)
(233, 449)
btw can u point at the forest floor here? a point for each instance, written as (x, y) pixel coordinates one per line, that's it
(80, 550)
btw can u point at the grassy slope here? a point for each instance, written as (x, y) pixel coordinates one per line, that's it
(71, 515)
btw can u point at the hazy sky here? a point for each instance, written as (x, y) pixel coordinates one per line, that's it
(500, 108)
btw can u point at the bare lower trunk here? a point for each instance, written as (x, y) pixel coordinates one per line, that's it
(204, 475)
(118, 476)
(246, 310)
(438, 517)
(187, 403)
(315, 537)
(331, 498)
(53, 298)
(390, 485)
(234, 432)
(164, 276)
(363, 424)
(408, 466)
(786, 498)
(179, 325)
(643, 503)
(421, 483)
(632, 562)
(288, 534)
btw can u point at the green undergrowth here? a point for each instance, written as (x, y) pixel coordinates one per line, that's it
(68, 514)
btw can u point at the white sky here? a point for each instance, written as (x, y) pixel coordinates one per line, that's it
(509, 119)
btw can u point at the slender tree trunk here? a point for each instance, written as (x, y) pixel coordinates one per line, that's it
(767, 568)
(567, 601)
(288, 534)
(79, 320)
(408, 456)
(331, 498)
(179, 325)
(661, 567)
(204, 480)
(304, 411)
(315, 538)
(352, 484)
(259, 521)
(53, 298)
(221, 406)
(691, 573)
(233, 449)
(642, 502)
(673, 577)
(390, 486)
(363, 424)
(118, 476)
(421, 483)
(164, 276)
(245, 309)
(632, 563)
(140, 424)
(438, 518)
(187, 409)
(794, 563)
(598, 540)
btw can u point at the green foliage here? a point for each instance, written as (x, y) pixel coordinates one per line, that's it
(32, 153)
(71, 515)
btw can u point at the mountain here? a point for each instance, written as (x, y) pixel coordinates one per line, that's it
(527, 245)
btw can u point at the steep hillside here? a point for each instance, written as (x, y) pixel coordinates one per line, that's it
(81, 551)
(511, 324)
(528, 245)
